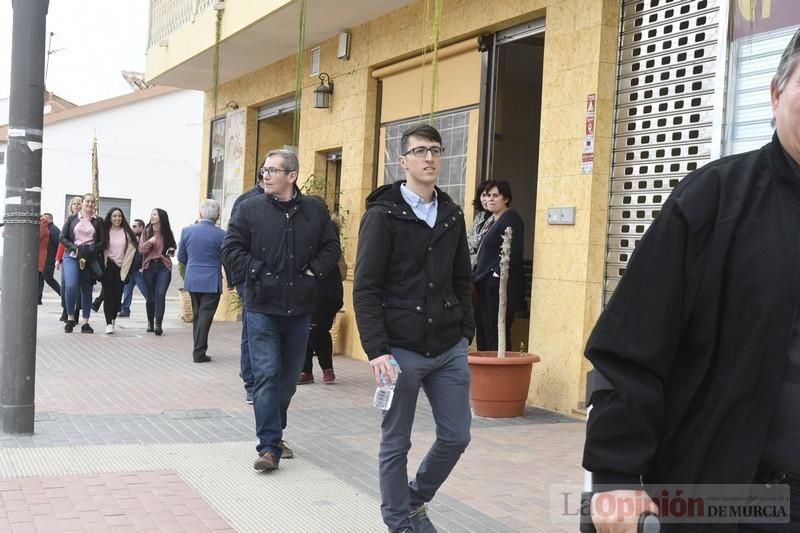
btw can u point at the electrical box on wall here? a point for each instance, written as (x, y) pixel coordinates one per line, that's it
(561, 215)
(343, 52)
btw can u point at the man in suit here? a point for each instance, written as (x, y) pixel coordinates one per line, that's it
(199, 250)
(46, 276)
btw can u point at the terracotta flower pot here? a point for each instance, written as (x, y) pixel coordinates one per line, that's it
(499, 387)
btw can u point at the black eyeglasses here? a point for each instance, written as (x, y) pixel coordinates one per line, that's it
(422, 151)
(272, 171)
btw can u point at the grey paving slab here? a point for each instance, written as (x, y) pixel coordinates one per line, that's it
(98, 396)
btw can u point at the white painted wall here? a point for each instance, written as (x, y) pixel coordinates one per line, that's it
(149, 151)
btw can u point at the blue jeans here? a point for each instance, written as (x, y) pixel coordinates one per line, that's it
(134, 278)
(76, 280)
(156, 278)
(246, 369)
(277, 352)
(445, 380)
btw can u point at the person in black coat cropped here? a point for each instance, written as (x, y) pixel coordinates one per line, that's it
(50, 263)
(487, 267)
(699, 346)
(328, 299)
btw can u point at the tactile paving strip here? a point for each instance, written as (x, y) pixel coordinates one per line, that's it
(221, 473)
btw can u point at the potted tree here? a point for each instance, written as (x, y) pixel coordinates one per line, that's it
(501, 379)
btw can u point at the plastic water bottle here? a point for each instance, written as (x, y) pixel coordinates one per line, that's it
(385, 392)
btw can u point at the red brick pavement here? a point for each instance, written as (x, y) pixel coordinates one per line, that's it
(125, 502)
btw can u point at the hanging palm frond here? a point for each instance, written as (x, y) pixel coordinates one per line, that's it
(298, 89)
(437, 23)
(217, 37)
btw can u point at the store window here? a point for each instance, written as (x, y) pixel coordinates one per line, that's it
(760, 33)
(216, 162)
(454, 128)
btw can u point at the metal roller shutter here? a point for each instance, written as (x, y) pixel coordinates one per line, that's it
(665, 112)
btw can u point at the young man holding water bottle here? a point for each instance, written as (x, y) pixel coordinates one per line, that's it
(413, 308)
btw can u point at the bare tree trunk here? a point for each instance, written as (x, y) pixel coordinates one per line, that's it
(505, 259)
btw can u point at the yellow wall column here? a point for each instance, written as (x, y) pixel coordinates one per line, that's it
(580, 59)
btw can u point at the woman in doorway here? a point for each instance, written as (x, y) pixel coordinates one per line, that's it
(74, 207)
(84, 241)
(480, 222)
(118, 260)
(487, 268)
(328, 299)
(157, 247)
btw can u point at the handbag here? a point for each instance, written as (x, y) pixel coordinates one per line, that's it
(96, 267)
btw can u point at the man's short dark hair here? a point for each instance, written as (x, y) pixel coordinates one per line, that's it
(420, 130)
(138, 221)
(503, 187)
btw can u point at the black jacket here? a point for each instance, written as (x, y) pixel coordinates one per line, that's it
(68, 237)
(695, 339)
(274, 243)
(488, 262)
(54, 234)
(236, 278)
(329, 285)
(412, 282)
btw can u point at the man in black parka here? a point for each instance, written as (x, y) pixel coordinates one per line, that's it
(413, 308)
(700, 343)
(282, 242)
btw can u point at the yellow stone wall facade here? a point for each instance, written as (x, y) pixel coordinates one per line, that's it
(579, 59)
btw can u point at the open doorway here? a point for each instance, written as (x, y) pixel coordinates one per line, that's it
(513, 97)
(275, 128)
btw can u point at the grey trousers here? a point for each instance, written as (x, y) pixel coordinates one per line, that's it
(445, 380)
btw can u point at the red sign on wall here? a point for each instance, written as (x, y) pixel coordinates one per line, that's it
(758, 16)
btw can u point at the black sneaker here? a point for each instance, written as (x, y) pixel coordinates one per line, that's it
(124, 314)
(86, 328)
(69, 326)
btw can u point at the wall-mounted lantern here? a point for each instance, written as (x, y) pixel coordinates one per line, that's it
(322, 94)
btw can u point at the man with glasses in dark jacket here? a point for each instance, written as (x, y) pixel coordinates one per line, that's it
(283, 241)
(413, 308)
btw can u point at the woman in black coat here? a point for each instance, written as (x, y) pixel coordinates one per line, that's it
(328, 299)
(487, 267)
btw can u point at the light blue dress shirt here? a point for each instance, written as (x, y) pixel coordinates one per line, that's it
(425, 211)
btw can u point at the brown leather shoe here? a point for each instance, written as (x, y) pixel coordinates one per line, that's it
(328, 377)
(286, 452)
(305, 378)
(266, 461)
